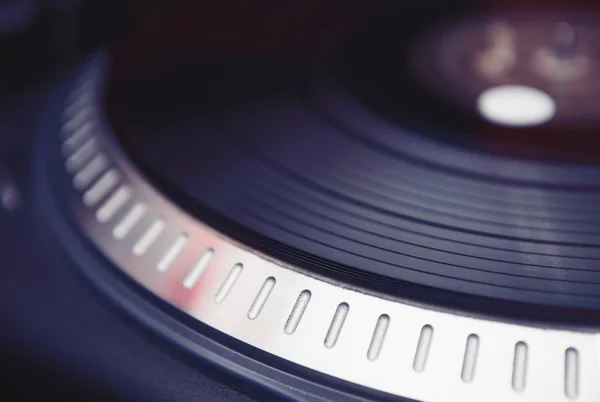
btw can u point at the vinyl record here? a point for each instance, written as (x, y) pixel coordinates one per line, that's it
(356, 143)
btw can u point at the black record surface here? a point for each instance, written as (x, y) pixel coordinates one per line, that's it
(320, 147)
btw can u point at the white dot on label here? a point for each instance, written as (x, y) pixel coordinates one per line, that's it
(516, 106)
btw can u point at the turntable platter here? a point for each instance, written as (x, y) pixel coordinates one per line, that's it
(342, 205)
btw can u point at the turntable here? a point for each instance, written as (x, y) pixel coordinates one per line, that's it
(323, 201)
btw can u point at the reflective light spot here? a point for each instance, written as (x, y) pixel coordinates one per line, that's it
(10, 198)
(516, 106)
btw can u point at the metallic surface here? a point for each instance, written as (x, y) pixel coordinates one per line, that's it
(387, 345)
